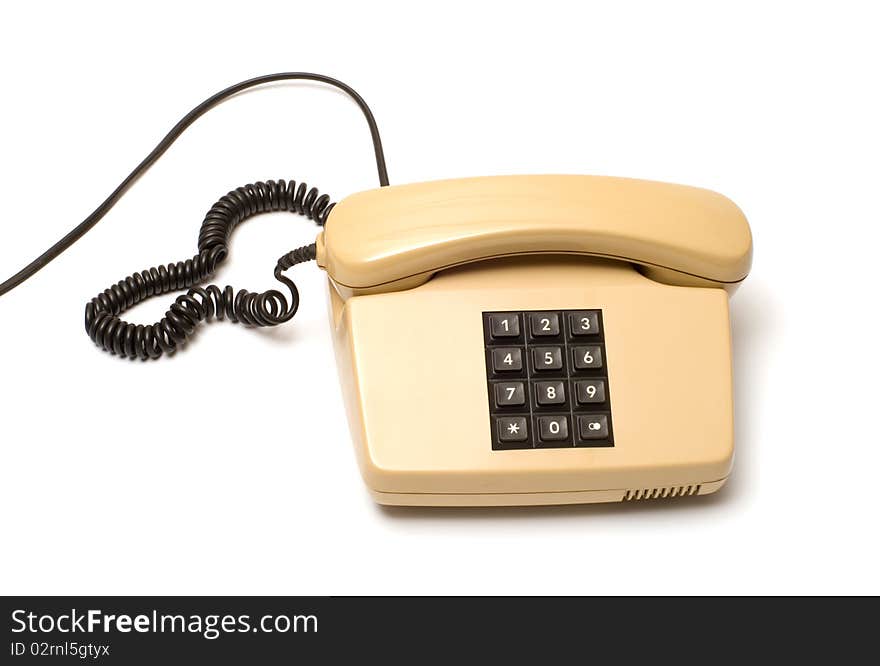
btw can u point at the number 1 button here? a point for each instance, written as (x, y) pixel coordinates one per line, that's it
(504, 326)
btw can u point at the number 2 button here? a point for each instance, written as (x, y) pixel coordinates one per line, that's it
(544, 324)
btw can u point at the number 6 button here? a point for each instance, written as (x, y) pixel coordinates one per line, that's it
(588, 357)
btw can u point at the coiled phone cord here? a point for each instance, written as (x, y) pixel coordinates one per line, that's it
(267, 308)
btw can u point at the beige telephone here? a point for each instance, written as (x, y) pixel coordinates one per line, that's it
(501, 341)
(522, 340)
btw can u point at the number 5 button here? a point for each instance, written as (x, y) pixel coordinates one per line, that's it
(588, 357)
(547, 358)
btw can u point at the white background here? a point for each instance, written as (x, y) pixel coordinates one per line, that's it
(229, 468)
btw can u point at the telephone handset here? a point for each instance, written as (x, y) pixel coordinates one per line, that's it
(391, 238)
(505, 340)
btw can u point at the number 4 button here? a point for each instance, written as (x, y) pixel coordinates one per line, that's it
(507, 359)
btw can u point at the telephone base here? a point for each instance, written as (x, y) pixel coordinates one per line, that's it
(414, 366)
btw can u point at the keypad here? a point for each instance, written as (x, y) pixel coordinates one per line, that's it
(547, 374)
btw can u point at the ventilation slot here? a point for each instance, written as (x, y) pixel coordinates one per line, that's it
(660, 493)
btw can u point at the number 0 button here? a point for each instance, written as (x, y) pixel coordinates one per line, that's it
(552, 428)
(588, 357)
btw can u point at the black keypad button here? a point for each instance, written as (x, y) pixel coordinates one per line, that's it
(584, 322)
(593, 426)
(510, 394)
(544, 324)
(552, 428)
(504, 326)
(547, 379)
(507, 359)
(589, 391)
(587, 357)
(546, 359)
(550, 393)
(512, 429)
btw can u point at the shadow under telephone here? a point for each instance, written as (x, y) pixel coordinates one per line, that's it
(509, 340)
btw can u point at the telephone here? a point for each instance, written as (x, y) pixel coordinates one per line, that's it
(508, 340)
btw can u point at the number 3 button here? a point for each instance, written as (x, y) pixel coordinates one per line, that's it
(584, 323)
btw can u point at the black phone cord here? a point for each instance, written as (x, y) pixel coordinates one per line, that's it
(199, 304)
(268, 308)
